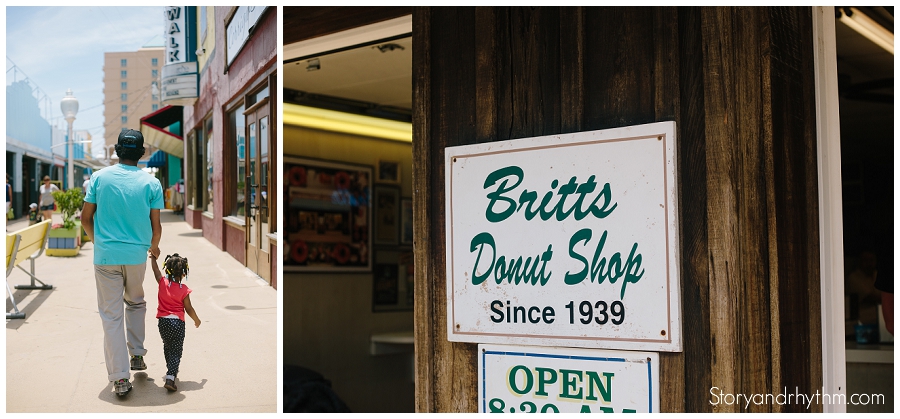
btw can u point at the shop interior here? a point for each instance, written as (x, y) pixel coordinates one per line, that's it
(866, 89)
(348, 265)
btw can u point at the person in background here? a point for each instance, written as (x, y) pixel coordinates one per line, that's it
(84, 186)
(47, 202)
(884, 282)
(34, 216)
(8, 195)
(178, 197)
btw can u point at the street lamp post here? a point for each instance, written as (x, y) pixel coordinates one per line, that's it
(69, 107)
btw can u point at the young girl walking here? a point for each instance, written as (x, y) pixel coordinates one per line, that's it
(174, 301)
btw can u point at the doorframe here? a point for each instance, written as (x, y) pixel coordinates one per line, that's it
(263, 236)
(831, 225)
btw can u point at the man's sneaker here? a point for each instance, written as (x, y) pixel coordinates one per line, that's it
(122, 387)
(170, 385)
(137, 363)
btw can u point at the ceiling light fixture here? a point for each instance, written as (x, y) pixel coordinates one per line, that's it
(313, 65)
(867, 27)
(347, 123)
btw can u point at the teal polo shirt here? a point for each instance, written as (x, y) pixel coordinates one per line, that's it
(124, 196)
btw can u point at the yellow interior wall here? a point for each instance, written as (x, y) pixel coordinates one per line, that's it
(346, 148)
(328, 318)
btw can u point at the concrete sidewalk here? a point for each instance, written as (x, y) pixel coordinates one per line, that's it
(54, 357)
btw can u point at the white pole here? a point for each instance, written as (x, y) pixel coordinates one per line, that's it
(70, 170)
(69, 108)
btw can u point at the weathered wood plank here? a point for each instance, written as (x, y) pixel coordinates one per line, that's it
(486, 74)
(752, 325)
(453, 123)
(796, 199)
(422, 208)
(667, 103)
(528, 58)
(697, 364)
(571, 68)
(722, 200)
(619, 88)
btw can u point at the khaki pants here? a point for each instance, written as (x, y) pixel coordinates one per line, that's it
(120, 301)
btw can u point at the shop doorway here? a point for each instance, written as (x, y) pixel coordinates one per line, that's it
(347, 98)
(865, 76)
(258, 132)
(854, 80)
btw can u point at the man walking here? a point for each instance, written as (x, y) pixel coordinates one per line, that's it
(121, 216)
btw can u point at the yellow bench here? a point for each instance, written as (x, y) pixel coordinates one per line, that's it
(26, 244)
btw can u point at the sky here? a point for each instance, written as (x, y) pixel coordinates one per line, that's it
(60, 48)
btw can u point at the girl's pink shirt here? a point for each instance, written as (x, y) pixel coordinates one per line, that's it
(171, 298)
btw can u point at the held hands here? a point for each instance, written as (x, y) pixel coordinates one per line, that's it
(154, 252)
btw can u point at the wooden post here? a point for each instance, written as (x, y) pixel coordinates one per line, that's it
(739, 84)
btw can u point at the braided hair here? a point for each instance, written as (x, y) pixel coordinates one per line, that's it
(176, 266)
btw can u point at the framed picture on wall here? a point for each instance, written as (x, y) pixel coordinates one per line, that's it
(386, 205)
(406, 221)
(392, 280)
(328, 216)
(388, 171)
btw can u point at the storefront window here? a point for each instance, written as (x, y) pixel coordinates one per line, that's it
(209, 165)
(253, 98)
(237, 131)
(264, 168)
(199, 169)
(191, 162)
(202, 23)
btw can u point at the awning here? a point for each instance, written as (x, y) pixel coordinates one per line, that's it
(158, 159)
(153, 127)
(92, 164)
(40, 157)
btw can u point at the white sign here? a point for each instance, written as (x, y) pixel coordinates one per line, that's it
(528, 379)
(180, 83)
(179, 80)
(565, 240)
(176, 42)
(179, 69)
(179, 93)
(238, 30)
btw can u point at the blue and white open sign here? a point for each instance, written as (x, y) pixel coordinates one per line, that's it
(530, 379)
